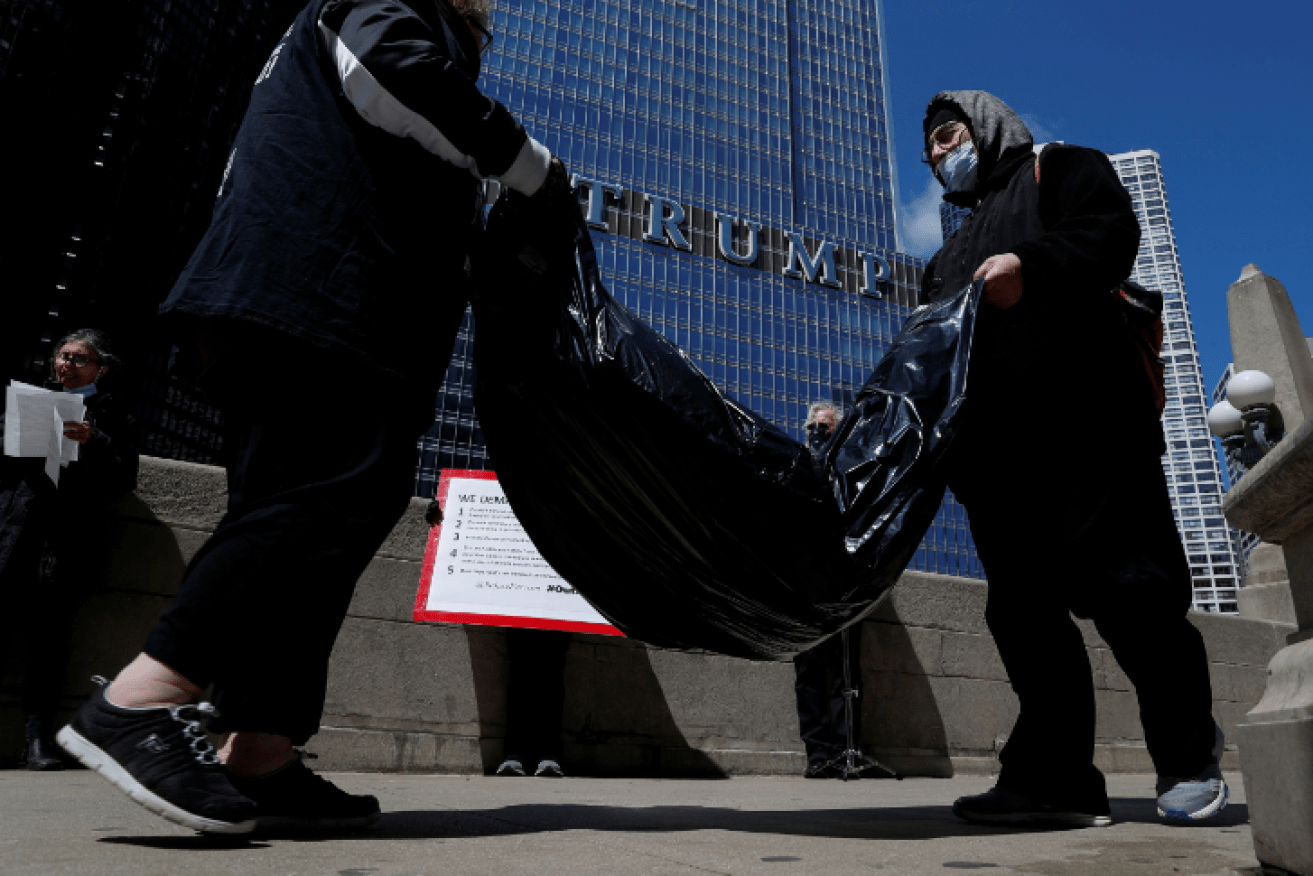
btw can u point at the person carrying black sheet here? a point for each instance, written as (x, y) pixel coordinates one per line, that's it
(1064, 525)
(319, 313)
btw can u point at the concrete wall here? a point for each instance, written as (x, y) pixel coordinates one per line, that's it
(431, 697)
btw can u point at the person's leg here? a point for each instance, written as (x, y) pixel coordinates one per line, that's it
(535, 694)
(1024, 506)
(1160, 651)
(815, 688)
(260, 605)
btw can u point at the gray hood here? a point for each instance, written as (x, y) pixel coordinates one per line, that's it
(998, 132)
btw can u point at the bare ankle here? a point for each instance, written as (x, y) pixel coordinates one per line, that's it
(146, 683)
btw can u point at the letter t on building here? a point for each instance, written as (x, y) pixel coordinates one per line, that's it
(597, 192)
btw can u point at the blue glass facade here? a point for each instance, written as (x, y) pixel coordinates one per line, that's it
(756, 129)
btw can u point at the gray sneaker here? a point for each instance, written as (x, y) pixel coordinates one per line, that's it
(510, 767)
(1189, 800)
(549, 768)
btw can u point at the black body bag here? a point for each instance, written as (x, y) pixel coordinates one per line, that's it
(686, 519)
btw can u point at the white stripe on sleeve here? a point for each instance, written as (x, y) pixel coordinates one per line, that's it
(529, 169)
(377, 106)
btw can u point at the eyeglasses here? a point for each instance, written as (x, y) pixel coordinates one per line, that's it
(943, 137)
(484, 37)
(75, 360)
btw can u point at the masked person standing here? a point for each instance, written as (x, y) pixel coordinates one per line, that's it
(818, 673)
(319, 312)
(1062, 524)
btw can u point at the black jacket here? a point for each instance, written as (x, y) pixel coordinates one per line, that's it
(1064, 345)
(32, 507)
(350, 196)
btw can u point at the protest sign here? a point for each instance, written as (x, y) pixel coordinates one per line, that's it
(481, 568)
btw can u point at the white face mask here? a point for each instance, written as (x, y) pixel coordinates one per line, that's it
(957, 169)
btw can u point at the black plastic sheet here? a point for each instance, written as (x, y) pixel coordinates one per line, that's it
(686, 519)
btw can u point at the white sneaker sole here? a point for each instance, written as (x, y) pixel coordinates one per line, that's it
(94, 758)
(1181, 816)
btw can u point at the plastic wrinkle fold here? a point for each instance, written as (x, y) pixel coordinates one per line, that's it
(686, 519)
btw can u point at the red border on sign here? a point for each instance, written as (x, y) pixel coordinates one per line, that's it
(496, 620)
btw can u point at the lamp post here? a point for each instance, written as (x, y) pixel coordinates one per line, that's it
(1248, 422)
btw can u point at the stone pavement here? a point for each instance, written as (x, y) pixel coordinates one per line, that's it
(75, 823)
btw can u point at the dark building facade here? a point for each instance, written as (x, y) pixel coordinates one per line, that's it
(118, 116)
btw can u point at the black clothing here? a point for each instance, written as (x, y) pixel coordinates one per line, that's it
(262, 601)
(1064, 529)
(42, 578)
(1066, 520)
(818, 688)
(1076, 236)
(535, 694)
(349, 205)
(350, 198)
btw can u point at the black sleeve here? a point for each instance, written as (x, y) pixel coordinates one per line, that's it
(929, 282)
(109, 460)
(1091, 233)
(399, 74)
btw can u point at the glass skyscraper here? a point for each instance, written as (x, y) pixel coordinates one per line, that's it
(1193, 474)
(736, 162)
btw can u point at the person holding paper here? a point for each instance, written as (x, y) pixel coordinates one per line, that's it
(42, 524)
(328, 289)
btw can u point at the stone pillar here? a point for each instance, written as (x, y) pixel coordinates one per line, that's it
(1265, 593)
(1275, 500)
(1265, 336)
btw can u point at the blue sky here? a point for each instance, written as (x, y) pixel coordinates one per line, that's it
(1213, 88)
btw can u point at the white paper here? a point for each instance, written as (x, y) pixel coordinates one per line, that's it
(485, 564)
(34, 425)
(71, 409)
(54, 459)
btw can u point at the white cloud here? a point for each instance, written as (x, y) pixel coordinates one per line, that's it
(919, 226)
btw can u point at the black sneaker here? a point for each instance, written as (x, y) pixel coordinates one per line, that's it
(1004, 807)
(162, 759)
(294, 799)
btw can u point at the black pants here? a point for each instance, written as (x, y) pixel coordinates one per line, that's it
(535, 694)
(316, 480)
(818, 686)
(1065, 526)
(41, 591)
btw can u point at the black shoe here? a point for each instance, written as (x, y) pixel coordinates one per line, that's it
(40, 754)
(295, 800)
(162, 759)
(1001, 806)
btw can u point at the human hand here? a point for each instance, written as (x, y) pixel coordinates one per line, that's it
(1003, 285)
(79, 432)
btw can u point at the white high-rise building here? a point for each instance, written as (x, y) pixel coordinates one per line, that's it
(1193, 474)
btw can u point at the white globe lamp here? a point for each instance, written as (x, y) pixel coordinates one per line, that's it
(1249, 388)
(1224, 420)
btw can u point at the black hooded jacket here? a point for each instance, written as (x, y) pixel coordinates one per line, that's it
(1076, 235)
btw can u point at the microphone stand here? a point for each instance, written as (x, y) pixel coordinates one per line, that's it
(852, 762)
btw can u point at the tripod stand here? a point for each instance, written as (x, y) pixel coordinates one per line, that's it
(850, 761)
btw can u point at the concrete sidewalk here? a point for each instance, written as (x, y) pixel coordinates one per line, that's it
(75, 822)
